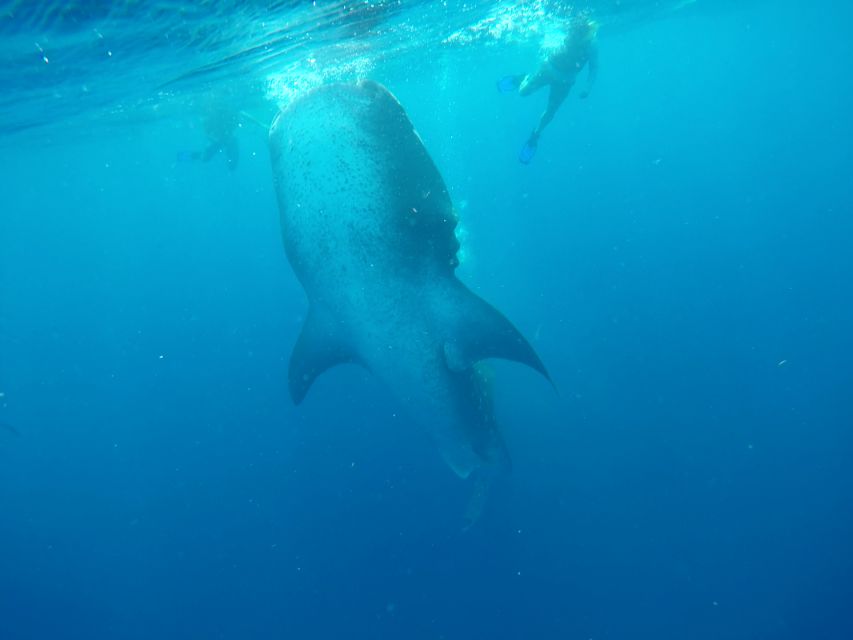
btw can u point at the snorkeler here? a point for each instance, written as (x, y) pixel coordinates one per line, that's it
(220, 126)
(220, 122)
(558, 72)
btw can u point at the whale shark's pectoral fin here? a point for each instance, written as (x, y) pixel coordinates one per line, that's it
(320, 346)
(483, 332)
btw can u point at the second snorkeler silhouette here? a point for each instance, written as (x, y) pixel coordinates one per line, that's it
(558, 71)
(220, 126)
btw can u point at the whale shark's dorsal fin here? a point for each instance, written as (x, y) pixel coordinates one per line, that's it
(483, 332)
(320, 346)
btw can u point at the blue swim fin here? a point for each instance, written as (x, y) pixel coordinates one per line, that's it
(528, 150)
(509, 83)
(185, 156)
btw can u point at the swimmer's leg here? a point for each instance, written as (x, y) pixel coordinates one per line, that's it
(212, 149)
(532, 82)
(555, 98)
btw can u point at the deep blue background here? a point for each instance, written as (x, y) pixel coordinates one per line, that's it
(679, 253)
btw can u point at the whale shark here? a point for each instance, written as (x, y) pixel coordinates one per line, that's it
(369, 230)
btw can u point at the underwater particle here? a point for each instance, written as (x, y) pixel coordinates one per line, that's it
(781, 363)
(2, 394)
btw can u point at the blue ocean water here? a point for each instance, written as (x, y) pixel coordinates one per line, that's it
(678, 252)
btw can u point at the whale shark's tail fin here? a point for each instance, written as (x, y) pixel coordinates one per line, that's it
(477, 501)
(497, 468)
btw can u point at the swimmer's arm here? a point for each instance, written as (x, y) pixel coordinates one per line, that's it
(592, 73)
